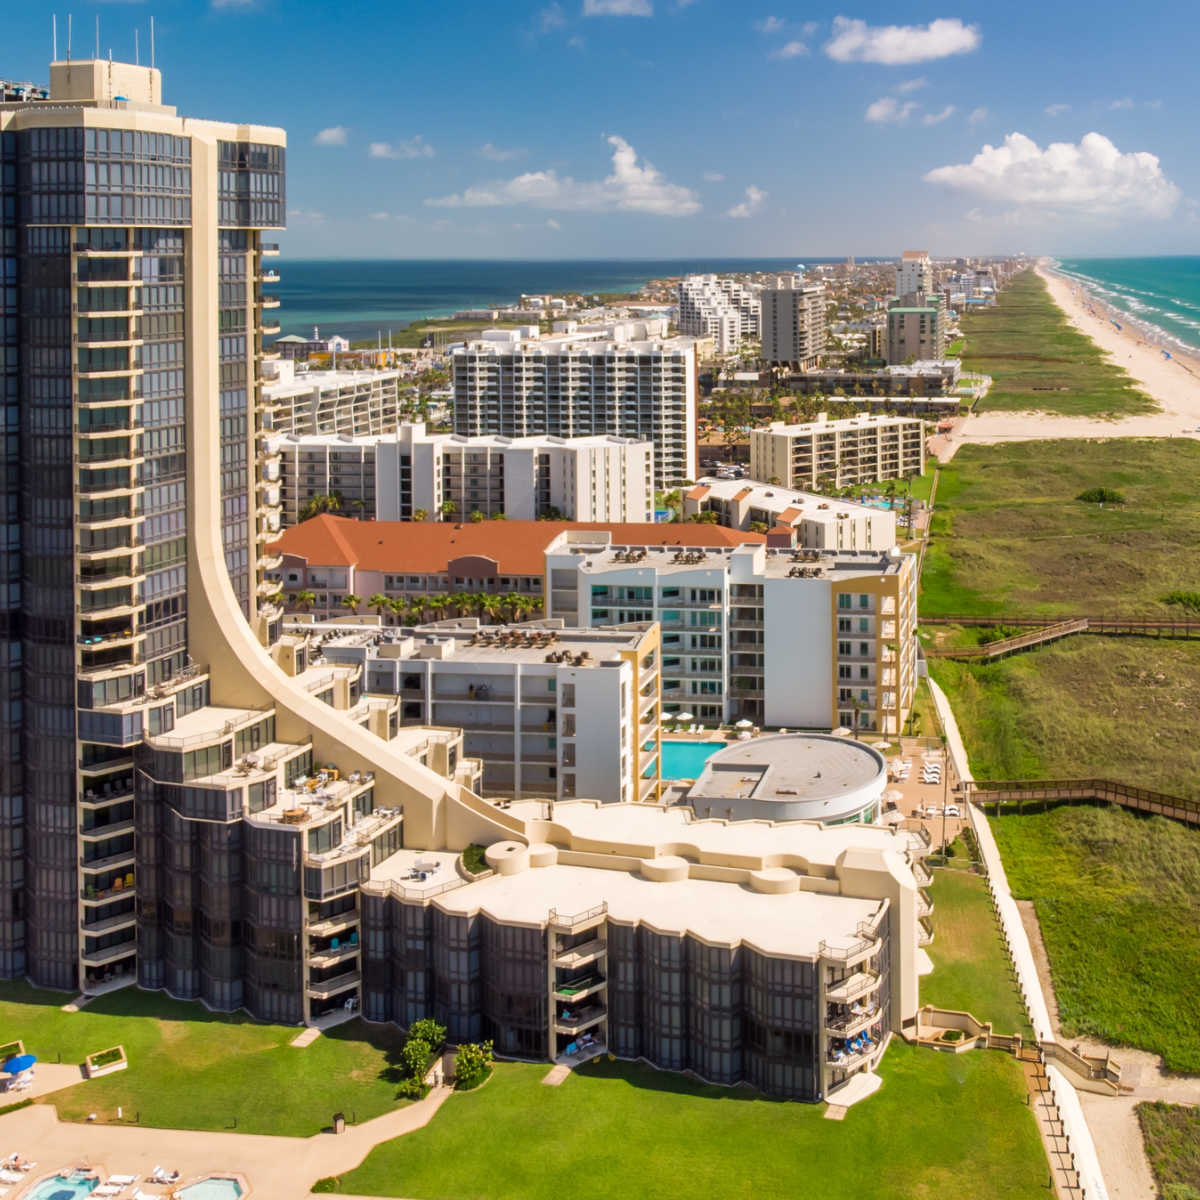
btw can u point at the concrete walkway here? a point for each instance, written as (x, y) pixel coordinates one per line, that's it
(276, 1167)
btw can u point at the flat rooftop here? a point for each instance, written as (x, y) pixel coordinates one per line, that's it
(794, 923)
(775, 498)
(405, 868)
(789, 768)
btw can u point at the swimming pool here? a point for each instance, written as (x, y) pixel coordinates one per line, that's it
(213, 1189)
(65, 1187)
(685, 760)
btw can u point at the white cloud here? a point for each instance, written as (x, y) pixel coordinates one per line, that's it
(631, 187)
(856, 41)
(887, 110)
(414, 147)
(618, 8)
(976, 115)
(389, 216)
(769, 25)
(232, 3)
(335, 135)
(1056, 110)
(1154, 104)
(305, 216)
(938, 117)
(500, 153)
(576, 42)
(790, 50)
(755, 199)
(911, 85)
(551, 223)
(1124, 102)
(1091, 179)
(810, 27)
(552, 18)
(713, 177)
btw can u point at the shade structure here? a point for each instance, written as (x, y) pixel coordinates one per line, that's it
(19, 1063)
(882, 745)
(745, 735)
(895, 795)
(684, 716)
(894, 817)
(840, 731)
(745, 723)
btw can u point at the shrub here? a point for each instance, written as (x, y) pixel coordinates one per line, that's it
(472, 1064)
(429, 1031)
(1101, 495)
(328, 1184)
(412, 1089)
(13, 1107)
(1188, 600)
(415, 1058)
(473, 859)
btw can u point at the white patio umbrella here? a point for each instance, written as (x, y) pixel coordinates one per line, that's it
(840, 731)
(745, 735)
(684, 716)
(744, 723)
(882, 745)
(895, 795)
(894, 817)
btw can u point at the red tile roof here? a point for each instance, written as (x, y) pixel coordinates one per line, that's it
(518, 547)
(699, 492)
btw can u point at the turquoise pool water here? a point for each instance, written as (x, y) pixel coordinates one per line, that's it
(685, 760)
(65, 1187)
(213, 1189)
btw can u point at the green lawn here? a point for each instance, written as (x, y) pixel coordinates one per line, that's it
(941, 1125)
(1040, 362)
(192, 1069)
(1009, 537)
(1085, 707)
(1172, 1136)
(1118, 898)
(972, 972)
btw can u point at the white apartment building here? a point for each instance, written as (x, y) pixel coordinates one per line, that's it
(390, 477)
(914, 274)
(811, 522)
(550, 712)
(568, 387)
(791, 638)
(826, 454)
(792, 318)
(718, 307)
(304, 402)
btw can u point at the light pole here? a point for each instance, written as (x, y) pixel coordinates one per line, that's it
(945, 794)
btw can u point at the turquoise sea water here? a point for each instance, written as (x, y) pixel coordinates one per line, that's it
(358, 299)
(1159, 295)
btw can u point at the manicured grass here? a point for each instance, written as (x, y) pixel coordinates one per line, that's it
(1040, 362)
(1172, 1136)
(1009, 537)
(972, 972)
(923, 720)
(192, 1069)
(1118, 898)
(941, 1125)
(1086, 707)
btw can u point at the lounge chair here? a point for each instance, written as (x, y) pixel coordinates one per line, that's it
(123, 1180)
(109, 1189)
(7, 1176)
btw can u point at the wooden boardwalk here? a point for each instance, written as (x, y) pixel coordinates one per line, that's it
(997, 795)
(1004, 646)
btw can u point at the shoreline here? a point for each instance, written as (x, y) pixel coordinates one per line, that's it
(1174, 383)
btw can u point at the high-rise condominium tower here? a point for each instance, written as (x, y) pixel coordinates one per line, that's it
(793, 322)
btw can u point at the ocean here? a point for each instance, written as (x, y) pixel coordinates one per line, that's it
(359, 299)
(1162, 295)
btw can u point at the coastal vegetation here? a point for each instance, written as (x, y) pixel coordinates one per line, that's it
(1010, 534)
(1118, 899)
(972, 972)
(1086, 707)
(190, 1068)
(1039, 361)
(657, 1134)
(1171, 1133)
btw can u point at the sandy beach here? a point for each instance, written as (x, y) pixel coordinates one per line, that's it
(1174, 383)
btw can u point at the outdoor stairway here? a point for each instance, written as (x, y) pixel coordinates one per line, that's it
(1023, 641)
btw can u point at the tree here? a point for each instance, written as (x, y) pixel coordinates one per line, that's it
(416, 610)
(758, 527)
(379, 602)
(428, 1031)
(306, 600)
(415, 1056)
(359, 508)
(400, 607)
(351, 602)
(499, 516)
(438, 605)
(449, 508)
(420, 514)
(472, 1064)
(477, 517)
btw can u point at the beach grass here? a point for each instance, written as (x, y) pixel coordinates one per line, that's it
(1171, 1133)
(1087, 707)
(194, 1069)
(972, 972)
(1118, 899)
(1040, 362)
(946, 1125)
(1009, 536)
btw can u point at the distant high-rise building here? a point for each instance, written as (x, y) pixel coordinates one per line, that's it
(718, 307)
(916, 330)
(914, 275)
(793, 322)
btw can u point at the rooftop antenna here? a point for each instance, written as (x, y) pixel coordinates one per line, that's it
(54, 36)
(137, 52)
(152, 43)
(68, 40)
(97, 55)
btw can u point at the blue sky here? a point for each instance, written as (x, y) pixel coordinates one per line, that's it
(657, 128)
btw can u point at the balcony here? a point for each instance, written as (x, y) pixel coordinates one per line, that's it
(268, 248)
(850, 1022)
(580, 956)
(266, 301)
(861, 983)
(99, 958)
(325, 989)
(577, 1022)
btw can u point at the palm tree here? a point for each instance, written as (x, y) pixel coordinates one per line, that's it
(379, 602)
(351, 602)
(464, 603)
(359, 507)
(491, 609)
(449, 508)
(477, 517)
(500, 516)
(438, 605)
(420, 514)
(399, 606)
(306, 600)
(416, 610)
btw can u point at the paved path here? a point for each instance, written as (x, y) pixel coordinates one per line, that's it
(278, 1168)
